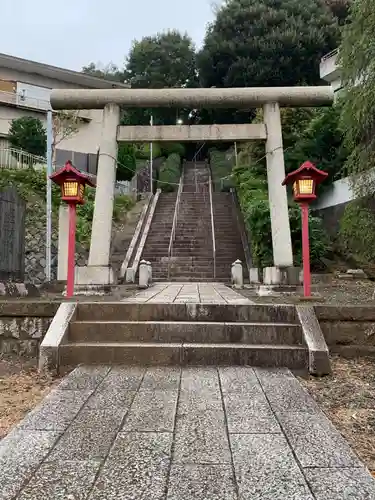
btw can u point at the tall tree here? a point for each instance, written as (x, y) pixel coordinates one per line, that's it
(163, 60)
(107, 72)
(267, 43)
(340, 9)
(357, 58)
(28, 133)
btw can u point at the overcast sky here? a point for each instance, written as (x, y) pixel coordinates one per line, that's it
(73, 33)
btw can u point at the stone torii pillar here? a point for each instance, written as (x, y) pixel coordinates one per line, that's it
(277, 194)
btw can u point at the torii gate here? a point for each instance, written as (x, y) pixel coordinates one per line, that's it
(270, 98)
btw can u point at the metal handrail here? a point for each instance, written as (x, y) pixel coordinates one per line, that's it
(175, 218)
(212, 225)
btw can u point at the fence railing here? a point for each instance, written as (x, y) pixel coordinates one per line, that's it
(212, 225)
(13, 158)
(18, 99)
(175, 220)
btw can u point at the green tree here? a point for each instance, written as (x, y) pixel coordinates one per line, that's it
(267, 43)
(322, 142)
(163, 60)
(107, 72)
(28, 133)
(357, 58)
(126, 162)
(340, 9)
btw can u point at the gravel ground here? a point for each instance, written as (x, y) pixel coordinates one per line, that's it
(21, 389)
(337, 292)
(348, 399)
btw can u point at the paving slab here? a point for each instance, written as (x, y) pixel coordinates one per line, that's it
(137, 468)
(90, 436)
(202, 433)
(156, 379)
(237, 379)
(202, 482)
(84, 378)
(21, 452)
(341, 484)
(285, 393)
(315, 441)
(61, 481)
(266, 469)
(249, 412)
(56, 411)
(189, 293)
(152, 411)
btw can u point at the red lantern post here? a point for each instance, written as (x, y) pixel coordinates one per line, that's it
(72, 183)
(304, 181)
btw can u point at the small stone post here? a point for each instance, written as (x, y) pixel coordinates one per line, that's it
(149, 266)
(62, 261)
(144, 274)
(237, 274)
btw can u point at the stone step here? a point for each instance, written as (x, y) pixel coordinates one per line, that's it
(134, 353)
(195, 332)
(250, 313)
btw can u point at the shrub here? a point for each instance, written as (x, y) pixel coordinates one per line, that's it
(170, 173)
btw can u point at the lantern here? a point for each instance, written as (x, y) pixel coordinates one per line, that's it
(72, 183)
(304, 181)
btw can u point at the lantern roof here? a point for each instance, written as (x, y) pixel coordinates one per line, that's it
(308, 169)
(69, 171)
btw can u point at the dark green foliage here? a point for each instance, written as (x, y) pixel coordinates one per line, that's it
(221, 163)
(267, 43)
(251, 183)
(340, 9)
(357, 58)
(126, 162)
(108, 72)
(31, 186)
(28, 133)
(357, 231)
(170, 173)
(168, 148)
(321, 142)
(163, 60)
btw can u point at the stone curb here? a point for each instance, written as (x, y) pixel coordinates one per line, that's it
(11, 289)
(319, 363)
(56, 333)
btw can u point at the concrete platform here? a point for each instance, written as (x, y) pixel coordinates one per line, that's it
(185, 293)
(179, 434)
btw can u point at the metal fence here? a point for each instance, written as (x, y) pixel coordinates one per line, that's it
(12, 235)
(17, 159)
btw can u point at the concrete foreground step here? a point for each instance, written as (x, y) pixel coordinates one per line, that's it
(192, 332)
(185, 354)
(127, 311)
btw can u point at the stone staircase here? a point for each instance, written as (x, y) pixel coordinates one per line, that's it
(184, 334)
(157, 243)
(192, 252)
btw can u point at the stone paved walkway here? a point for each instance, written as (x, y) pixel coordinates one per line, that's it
(172, 434)
(196, 293)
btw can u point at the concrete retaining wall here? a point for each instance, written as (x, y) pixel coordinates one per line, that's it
(348, 330)
(23, 325)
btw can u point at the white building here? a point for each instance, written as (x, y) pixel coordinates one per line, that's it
(330, 71)
(25, 88)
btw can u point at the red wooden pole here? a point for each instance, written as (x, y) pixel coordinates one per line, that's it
(306, 250)
(71, 250)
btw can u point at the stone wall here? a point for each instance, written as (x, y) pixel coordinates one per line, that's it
(348, 330)
(23, 326)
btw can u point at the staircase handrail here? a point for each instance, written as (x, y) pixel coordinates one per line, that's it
(175, 218)
(212, 224)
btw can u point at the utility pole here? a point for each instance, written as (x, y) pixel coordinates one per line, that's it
(49, 195)
(151, 157)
